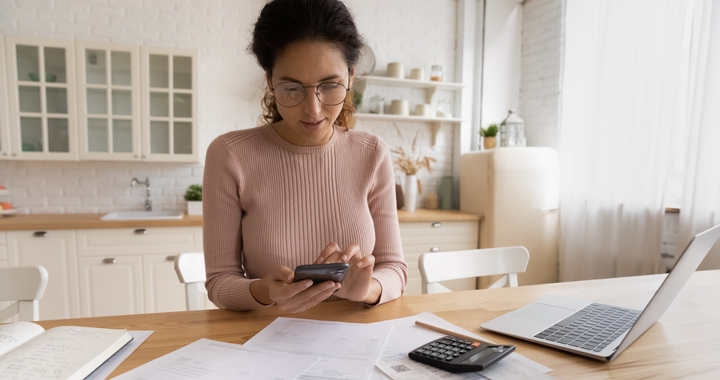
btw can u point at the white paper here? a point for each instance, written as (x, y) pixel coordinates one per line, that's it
(347, 351)
(207, 359)
(406, 336)
(14, 334)
(139, 336)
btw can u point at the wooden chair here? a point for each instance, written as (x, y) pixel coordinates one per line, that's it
(24, 287)
(451, 265)
(190, 269)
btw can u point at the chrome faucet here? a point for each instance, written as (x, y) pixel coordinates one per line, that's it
(146, 182)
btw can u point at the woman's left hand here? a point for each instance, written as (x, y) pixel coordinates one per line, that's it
(358, 284)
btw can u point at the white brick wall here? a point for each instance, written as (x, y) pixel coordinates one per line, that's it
(541, 71)
(419, 33)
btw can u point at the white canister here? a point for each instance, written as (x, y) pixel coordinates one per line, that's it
(400, 107)
(418, 74)
(396, 70)
(423, 110)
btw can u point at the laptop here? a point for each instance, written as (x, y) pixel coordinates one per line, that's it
(597, 330)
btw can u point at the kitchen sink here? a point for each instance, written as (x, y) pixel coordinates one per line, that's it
(142, 215)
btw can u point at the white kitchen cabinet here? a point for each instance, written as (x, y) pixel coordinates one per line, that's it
(56, 251)
(108, 101)
(420, 237)
(41, 86)
(5, 152)
(144, 267)
(111, 285)
(163, 291)
(170, 97)
(3, 250)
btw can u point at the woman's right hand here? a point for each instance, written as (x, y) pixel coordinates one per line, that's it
(291, 297)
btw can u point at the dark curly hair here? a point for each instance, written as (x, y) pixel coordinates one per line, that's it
(283, 22)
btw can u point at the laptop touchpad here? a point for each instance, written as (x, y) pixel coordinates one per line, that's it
(542, 313)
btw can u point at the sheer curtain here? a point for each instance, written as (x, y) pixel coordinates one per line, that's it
(620, 110)
(701, 195)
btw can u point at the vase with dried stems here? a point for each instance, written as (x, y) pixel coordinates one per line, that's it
(410, 161)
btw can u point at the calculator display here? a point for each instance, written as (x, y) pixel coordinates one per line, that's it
(479, 355)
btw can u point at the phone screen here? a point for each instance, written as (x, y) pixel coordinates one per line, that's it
(321, 272)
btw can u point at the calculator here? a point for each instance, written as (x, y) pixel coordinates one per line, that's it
(459, 355)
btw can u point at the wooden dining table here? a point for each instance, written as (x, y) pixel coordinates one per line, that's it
(683, 344)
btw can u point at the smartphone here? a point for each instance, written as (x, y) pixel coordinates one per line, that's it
(321, 272)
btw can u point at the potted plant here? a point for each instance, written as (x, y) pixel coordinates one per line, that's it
(488, 135)
(193, 196)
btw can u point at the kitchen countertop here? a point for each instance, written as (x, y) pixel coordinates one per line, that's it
(22, 222)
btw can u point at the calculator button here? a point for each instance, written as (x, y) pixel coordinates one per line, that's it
(469, 347)
(449, 358)
(455, 354)
(441, 356)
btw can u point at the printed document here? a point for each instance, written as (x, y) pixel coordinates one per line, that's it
(347, 351)
(207, 359)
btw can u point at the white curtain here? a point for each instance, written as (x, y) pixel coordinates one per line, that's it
(623, 67)
(701, 195)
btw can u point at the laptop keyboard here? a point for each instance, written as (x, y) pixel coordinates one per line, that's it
(591, 328)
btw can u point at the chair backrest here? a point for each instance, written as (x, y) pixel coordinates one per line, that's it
(190, 269)
(24, 287)
(451, 265)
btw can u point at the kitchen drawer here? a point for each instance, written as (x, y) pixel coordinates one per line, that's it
(134, 241)
(439, 232)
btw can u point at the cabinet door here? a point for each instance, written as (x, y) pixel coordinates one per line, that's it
(421, 237)
(41, 94)
(156, 247)
(109, 101)
(5, 152)
(56, 251)
(170, 131)
(111, 285)
(163, 290)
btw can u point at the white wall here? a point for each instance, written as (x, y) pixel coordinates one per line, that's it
(501, 60)
(542, 39)
(418, 32)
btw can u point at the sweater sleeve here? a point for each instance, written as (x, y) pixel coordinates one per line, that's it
(390, 267)
(226, 282)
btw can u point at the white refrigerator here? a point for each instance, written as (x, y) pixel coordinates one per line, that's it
(516, 192)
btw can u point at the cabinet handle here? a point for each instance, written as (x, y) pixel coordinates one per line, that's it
(141, 231)
(109, 261)
(170, 258)
(40, 234)
(436, 224)
(434, 249)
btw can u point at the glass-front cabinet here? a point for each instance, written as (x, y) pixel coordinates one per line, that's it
(41, 98)
(5, 152)
(170, 131)
(79, 100)
(109, 101)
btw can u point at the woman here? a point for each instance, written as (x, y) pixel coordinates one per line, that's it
(302, 189)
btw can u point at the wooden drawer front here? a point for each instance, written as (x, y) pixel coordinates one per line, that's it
(129, 241)
(424, 233)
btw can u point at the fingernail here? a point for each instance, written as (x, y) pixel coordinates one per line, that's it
(343, 258)
(308, 283)
(320, 260)
(359, 264)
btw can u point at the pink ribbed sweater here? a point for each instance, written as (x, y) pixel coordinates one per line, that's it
(268, 203)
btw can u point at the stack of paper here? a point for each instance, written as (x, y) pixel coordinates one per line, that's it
(304, 349)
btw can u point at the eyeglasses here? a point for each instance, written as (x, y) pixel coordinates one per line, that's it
(290, 94)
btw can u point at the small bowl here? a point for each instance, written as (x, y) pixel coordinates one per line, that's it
(34, 77)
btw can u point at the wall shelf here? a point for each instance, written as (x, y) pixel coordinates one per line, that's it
(390, 117)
